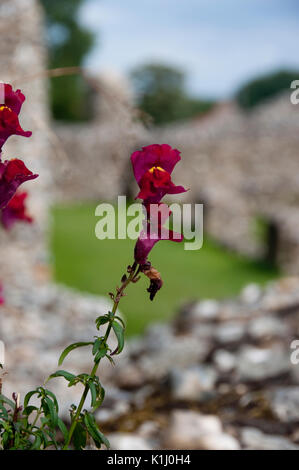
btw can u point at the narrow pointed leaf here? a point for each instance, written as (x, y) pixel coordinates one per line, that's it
(79, 437)
(119, 332)
(63, 429)
(93, 430)
(71, 348)
(6, 400)
(52, 411)
(61, 373)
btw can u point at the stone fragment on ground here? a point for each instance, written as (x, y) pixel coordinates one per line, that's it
(128, 441)
(193, 430)
(262, 363)
(257, 440)
(284, 402)
(195, 383)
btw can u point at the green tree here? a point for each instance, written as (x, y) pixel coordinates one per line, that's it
(262, 88)
(68, 44)
(160, 91)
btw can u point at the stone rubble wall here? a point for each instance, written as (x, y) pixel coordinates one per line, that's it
(243, 166)
(98, 152)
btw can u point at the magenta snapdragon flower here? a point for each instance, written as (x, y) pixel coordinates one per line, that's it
(15, 211)
(152, 167)
(12, 174)
(1, 295)
(9, 111)
(154, 231)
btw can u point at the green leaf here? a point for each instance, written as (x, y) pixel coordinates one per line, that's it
(37, 443)
(61, 373)
(101, 396)
(63, 429)
(111, 360)
(51, 411)
(50, 434)
(93, 392)
(6, 400)
(101, 321)
(99, 349)
(5, 439)
(29, 409)
(97, 345)
(3, 413)
(120, 320)
(93, 430)
(119, 331)
(79, 437)
(71, 348)
(101, 353)
(51, 394)
(28, 397)
(46, 441)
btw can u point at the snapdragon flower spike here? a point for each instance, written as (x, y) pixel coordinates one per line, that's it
(9, 111)
(153, 231)
(152, 168)
(15, 211)
(13, 173)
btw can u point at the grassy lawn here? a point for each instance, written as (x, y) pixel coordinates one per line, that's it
(82, 261)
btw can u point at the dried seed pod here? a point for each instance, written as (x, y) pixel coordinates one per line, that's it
(155, 279)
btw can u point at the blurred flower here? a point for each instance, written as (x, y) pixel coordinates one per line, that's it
(9, 111)
(152, 168)
(9, 125)
(1, 295)
(12, 174)
(153, 231)
(15, 211)
(13, 99)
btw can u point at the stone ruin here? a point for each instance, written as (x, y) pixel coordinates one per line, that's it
(97, 151)
(244, 167)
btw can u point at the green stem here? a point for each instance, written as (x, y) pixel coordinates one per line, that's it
(96, 365)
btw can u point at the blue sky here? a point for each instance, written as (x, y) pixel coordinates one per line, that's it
(219, 43)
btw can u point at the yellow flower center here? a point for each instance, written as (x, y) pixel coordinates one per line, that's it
(3, 107)
(156, 168)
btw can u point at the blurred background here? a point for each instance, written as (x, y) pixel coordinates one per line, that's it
(102, 79)
(205, 78)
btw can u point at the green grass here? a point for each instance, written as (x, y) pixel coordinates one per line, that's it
(82, 261)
